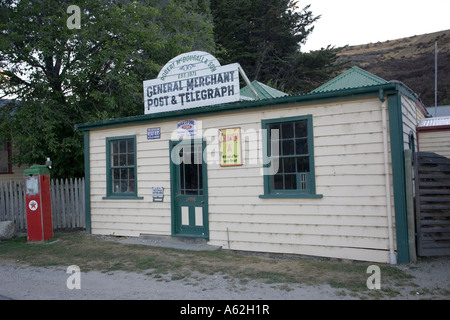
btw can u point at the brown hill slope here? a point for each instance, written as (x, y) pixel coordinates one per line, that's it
(409, 60)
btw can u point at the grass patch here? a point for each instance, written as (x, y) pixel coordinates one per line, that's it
(94, 253)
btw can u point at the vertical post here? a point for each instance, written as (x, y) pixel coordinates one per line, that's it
(435, 78)
(398, 175)
(410, 205)
(87, 186)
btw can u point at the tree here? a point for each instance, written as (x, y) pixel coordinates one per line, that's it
(305, 72)
(265, 37)
(64, 76)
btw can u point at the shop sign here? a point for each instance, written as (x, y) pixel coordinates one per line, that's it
(158, 194)
(191, 80)
(153, 133)
(230, 148)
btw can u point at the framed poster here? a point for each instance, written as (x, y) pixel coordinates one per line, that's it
(230, 148)
(186, 128)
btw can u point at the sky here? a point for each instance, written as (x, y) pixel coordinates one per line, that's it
(354, 22)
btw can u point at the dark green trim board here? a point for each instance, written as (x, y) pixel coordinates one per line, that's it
(172, 187)
(398, 176)
(87, 183)
(243, 106)
(179, 200)
(109, 180)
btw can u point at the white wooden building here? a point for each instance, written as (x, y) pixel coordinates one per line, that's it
(320, 174)
(434, 135)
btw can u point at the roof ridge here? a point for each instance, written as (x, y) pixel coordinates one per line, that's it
(369, 75)
(354, 77)
(263, 90)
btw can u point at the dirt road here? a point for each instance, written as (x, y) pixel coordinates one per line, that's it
(431, 281)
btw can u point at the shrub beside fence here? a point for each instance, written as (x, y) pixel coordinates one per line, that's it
(68, 201)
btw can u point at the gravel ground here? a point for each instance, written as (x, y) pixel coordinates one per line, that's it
(17, 281)
(21, 282)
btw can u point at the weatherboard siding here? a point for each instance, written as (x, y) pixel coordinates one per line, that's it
(349, 222)
(411, 116)
(131, 217)
(435, 141)
(16, 175)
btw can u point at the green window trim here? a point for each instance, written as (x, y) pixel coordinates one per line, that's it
(121, 173)
(305, 181)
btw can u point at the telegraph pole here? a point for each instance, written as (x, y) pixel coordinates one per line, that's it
(435, 78)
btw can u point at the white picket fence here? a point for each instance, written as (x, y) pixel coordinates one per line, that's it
(68, 210)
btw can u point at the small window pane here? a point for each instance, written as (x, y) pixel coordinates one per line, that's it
(116, 174)
(130, 146)
(123, 146)
(122, 160)
(277, 143)
(278, 181)
(131, 186)
(289, 165)
(301, 146)
(275, 127)
(290, 181)
(123, 186)
(130, 159)
(288, 147)
(123, 174)
(200, 176)
(131, 174)
(287, 130)
(301, 129)
(115, 146)
(303, 181)
(303, 164)
(280, 166)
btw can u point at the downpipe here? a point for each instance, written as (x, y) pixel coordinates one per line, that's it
(392, 255)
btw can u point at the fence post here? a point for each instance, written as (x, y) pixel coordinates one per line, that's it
(2, 202)
(10, 215)
(410, 206)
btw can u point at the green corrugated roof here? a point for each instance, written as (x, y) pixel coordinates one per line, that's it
(264, 92)
(353, 78)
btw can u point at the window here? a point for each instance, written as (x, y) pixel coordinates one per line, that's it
(5, 155)
(191, 179)
(121, 167)
(293, 137)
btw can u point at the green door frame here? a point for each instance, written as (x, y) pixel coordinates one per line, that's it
(191, 202)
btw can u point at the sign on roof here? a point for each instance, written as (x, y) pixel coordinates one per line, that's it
(191, 80)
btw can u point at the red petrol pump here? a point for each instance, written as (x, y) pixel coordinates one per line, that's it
(38, 203)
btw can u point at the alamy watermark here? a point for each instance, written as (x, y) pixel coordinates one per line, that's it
(373, 281)
(252, 142)
(74, 20)
(74, 280)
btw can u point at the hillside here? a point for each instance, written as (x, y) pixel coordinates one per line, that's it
(409, 60)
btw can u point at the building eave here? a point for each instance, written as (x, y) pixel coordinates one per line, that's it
(241, 105)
